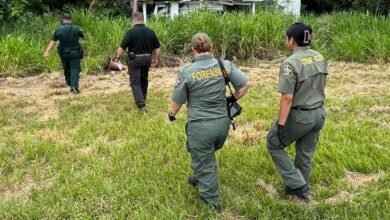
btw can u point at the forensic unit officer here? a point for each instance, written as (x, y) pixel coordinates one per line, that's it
(302, 114)
(202, 86)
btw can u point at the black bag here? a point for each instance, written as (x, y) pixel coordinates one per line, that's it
(234, 109)
(81, 53)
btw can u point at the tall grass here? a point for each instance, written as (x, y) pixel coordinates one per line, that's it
(339, 36)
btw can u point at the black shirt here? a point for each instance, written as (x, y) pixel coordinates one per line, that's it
(140, 40)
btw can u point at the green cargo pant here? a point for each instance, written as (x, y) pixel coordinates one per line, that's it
(303, 127)
(71, 65)
(203, 139)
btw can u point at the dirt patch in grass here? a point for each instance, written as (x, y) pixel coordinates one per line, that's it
(250, 132)
(343, 196)
(345, 80)
(86, 151)
(354, 181)
(20, 191)
(350, 79)
(267, 188)
(380, 109)
(230, 215)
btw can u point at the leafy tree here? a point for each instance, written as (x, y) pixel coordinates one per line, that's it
(321, 6)
(374, 6)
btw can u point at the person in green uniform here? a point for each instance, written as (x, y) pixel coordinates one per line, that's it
(69, 50)
(202, 86)
(302, 114)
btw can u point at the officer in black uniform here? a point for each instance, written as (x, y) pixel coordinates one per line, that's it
(69, 51)
(144, 50)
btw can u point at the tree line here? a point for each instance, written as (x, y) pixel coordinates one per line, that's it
(25, 9)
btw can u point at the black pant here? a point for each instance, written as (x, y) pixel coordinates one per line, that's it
(71, 65)
(138, 72)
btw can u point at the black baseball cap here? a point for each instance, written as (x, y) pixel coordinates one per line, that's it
(301, 33)
(67, 16)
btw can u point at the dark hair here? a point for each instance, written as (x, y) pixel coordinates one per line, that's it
(138, 16)
(301, 33)
(202, 44)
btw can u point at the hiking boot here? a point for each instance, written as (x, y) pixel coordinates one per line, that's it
(214, 206)
(143, 109)
(74, 90)
(302, 193)
(192, 181)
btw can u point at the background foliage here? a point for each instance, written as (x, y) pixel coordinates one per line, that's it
(346, 36)
(372, 6)
(24, 9)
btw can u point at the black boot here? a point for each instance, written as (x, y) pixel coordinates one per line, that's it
(192, 181)
(302, 193)
(74, 90)
(215, 207)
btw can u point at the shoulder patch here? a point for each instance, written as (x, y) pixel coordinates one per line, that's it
(178, 80)
(287, 70)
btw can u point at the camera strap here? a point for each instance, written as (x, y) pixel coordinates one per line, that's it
(224, 74)
(226, 78)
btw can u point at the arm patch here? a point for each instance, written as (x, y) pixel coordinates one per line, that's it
(178, 80)
(287, 71)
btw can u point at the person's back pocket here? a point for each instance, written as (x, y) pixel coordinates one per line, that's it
(304, 117)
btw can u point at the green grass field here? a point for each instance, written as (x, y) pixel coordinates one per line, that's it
(95, 156)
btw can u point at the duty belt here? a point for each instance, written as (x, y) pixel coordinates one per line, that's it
(305, 109)
(143, 55)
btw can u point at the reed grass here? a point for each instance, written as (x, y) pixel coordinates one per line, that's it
(346, 36)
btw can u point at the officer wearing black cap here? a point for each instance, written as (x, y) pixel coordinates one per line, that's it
(302, 80)
(143, 48)
(69, 50)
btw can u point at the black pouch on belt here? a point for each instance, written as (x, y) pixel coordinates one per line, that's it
(132, 56)
(70, 50)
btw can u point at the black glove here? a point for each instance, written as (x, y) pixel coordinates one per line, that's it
(171, 116)
(281, 134)
(231, 99)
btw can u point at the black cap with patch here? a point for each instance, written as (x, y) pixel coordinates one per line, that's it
(67, 16)
(301, 33)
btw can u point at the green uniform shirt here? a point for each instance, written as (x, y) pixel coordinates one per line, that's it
(202, 85)
(303, 74)
(140, 40)
(68, 35)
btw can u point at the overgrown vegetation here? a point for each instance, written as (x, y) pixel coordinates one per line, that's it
(93, 156)
(378, 7)
(339, 36)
